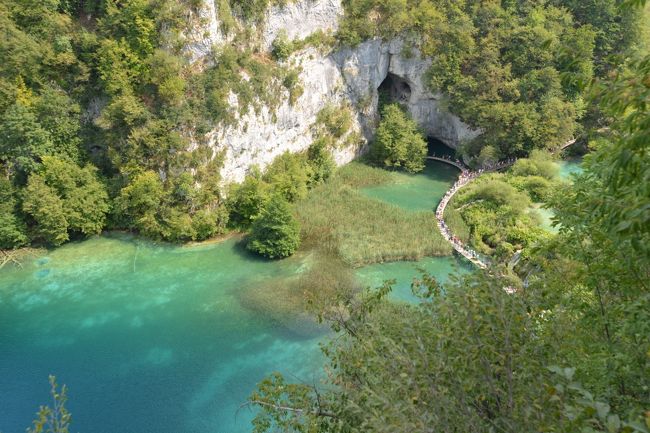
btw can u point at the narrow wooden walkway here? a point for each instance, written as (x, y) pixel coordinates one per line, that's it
(444, 229)
(466, 176)
(459, 165)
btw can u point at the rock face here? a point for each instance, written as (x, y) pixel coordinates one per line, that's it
(300, 19)
(205, 33)
(350, 76)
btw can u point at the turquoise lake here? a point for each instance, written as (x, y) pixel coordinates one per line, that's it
(159, 338)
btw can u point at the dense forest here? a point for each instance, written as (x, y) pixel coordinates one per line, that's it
(103, 123)
(104, 118)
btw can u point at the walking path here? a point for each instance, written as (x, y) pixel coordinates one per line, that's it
(466, 176)
(456, 163)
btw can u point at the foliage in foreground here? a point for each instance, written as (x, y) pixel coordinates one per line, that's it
(480, 359)
(55, 419)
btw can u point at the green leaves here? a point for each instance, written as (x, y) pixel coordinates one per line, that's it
(275, 233)
(54, 419)
(64, 197)
(398, 142)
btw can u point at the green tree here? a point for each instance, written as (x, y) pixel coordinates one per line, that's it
(601, 302)
(42, 203)
(247, 200)
(59, 115)
(539, 163)
(321, 162)
(289, 175)
(275, 234)
(23, 141)
(141, 204)
(398, 142)
(12, 229)
(84, 197)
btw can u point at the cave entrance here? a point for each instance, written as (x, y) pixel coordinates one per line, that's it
(438, 148)
(394, 89)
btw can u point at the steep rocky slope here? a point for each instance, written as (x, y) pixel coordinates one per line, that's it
(349, 77)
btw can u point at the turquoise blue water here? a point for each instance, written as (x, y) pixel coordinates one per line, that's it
(569, 167)
(148, 338)
(416, 192)
(404, 272)
(164, 339)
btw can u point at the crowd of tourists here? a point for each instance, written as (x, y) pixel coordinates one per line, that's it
(458, 245)
(465, 177)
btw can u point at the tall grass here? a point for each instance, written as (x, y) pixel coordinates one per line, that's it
(338, 220)
(342, 229)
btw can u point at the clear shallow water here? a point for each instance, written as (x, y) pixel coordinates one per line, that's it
(569, 167)
(147, 338)
(152, 338)
(416, 192)
(404, 272)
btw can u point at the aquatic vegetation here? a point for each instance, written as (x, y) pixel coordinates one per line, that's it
(339, 219)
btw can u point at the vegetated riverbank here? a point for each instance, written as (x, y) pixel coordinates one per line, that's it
(346, 226)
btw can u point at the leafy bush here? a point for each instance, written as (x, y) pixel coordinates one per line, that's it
(398, 142)
(63, 197)
(539, 163)
(276, 233)
(281, 47)
(289, 175)
(12, 229)
(247, 200)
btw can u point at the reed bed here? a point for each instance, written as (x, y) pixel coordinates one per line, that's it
(337, 219)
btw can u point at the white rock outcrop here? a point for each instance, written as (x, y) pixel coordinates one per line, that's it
(204, 34)
(299, 19)
(349, 76)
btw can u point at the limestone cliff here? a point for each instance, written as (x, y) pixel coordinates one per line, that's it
(350, 76)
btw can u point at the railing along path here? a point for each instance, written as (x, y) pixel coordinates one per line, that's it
(466, 176)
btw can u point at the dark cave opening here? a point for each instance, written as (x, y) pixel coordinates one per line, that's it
(438, 148)
(394, 89)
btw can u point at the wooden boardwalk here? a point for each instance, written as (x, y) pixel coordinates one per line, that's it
(459, 165)
(466, 177)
